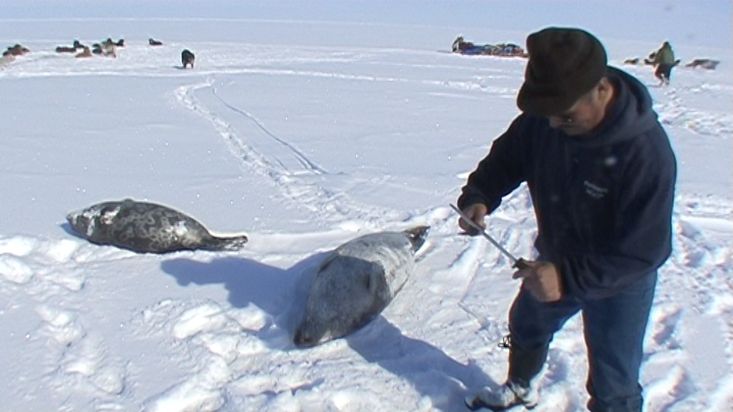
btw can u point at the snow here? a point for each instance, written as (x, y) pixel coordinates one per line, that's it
(305, 134)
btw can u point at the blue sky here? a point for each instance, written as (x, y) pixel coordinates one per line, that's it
(695, 23)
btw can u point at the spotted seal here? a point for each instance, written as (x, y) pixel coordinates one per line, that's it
(146, 228)
(355, 282)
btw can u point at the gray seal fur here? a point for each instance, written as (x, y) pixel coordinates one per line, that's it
(146, 228)
(355, 282)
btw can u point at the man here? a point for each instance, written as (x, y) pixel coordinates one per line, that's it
(664, 62)
(601, 174)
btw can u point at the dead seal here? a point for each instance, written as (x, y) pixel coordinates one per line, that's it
(708, 64)
(146, 228)
(355, 282)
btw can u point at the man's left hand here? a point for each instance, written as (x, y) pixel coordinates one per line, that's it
(541, 279)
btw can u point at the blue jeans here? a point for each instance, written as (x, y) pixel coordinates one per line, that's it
(614, 333)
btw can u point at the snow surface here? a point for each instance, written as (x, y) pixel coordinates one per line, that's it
(305, 135)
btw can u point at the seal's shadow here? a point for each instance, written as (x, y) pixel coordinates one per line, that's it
(279, 292)
(431, 371)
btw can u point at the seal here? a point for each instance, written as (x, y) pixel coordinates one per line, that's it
(704, 63)
(146, 228)
(355, 282)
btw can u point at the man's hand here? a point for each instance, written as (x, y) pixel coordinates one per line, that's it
(541, 279)
(477, 212)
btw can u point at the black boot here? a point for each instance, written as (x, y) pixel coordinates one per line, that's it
(525, 364)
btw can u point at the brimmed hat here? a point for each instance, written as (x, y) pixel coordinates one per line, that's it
(563, 65)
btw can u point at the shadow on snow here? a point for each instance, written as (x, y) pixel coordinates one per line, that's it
(429, 370)
(282, 293)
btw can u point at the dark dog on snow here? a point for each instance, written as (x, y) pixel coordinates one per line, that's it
(110, 42)
(16, 50)
(187, 58)
(73, 49)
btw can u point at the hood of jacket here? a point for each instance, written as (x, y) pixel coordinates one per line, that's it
(629, 116)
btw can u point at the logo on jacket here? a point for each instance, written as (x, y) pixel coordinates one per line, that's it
(594, 191)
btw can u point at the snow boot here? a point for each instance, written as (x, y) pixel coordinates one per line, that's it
(506, 396)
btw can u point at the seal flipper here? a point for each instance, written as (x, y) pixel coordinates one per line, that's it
(417, 236)
(215, 243)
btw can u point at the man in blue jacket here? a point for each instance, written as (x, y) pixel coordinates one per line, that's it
(601, 175)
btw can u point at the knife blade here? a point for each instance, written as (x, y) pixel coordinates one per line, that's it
(519, 263)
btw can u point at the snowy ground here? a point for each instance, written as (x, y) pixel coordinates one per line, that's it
(303, 147)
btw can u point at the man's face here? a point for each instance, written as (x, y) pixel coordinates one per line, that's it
(585, 114)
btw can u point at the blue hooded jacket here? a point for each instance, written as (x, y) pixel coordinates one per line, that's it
(603, 202)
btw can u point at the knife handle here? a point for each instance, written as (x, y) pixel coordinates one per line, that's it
(521, 264)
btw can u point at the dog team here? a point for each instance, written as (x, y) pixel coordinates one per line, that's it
(106, 48)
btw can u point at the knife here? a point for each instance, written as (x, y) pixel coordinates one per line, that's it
(519, 263)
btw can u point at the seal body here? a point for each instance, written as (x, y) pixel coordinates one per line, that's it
(355, 282)
(146, 228)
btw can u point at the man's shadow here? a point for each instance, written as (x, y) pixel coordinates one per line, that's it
(281, 293)
(431, 371)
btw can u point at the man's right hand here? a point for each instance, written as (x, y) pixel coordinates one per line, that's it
(477, 212)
